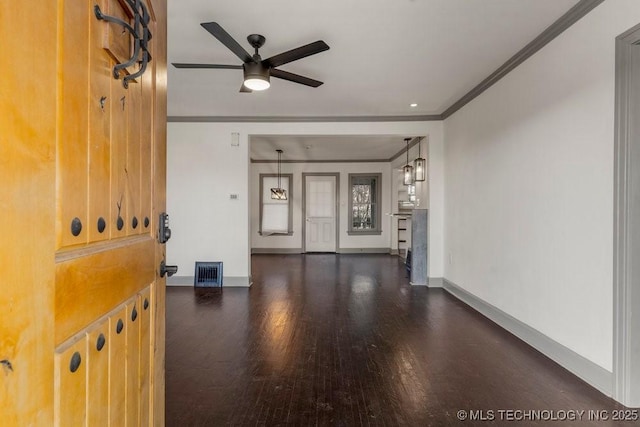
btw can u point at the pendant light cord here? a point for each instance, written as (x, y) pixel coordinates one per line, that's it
(279, 157)
(407, 141)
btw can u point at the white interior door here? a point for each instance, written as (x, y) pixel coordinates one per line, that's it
(320, 209)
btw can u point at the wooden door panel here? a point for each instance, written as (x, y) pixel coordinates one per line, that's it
(28, 102)
(132, 171)
(312, 232)
(67, 128)
(72, 144)
(111, 185)
(89, 286)
(98, 375)
(114, 382)
(100, 222)
(145, 356)
(119, 125)
(117, 367)
(146, 141)
(71, 384)
(133, 363)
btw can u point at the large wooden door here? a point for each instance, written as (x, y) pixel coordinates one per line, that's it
(83, 185)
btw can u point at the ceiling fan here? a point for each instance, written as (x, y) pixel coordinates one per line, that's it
(257, 71)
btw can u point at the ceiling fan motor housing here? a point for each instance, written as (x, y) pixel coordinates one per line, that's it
(255, 71)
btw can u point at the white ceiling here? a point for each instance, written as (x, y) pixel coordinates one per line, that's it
(384, 55)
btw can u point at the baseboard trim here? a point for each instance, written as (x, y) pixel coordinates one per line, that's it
(180, 281)
(227, 281)
(364, 251)
(435, 282)
(285, 251)
(276, 250)
(236, 281)
(585, 369)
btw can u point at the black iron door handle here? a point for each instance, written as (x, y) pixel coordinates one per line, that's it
(168, 270)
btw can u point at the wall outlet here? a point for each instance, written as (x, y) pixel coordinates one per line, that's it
(233, 196)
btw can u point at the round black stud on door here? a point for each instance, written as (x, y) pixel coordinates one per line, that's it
(119, 326)
(120, 223)
(134, 314)
(101, 225)
(100, 342)
(76, 226)
(134, 222)
(146, 222)
(75, 362)
(145, 304)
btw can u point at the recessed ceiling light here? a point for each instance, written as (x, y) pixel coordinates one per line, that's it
(413, 105)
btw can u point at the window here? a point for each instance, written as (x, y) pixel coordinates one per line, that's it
(275, 215)
(364, 203)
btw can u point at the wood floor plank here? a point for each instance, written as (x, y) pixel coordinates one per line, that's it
(344, 340)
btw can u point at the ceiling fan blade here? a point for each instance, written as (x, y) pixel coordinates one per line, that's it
(285, 75)
(297, 53)
(227, 67)
(218, 32)
(244, 89)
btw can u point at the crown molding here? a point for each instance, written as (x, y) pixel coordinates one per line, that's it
(572, 16)
(301, 119)
(323, 161)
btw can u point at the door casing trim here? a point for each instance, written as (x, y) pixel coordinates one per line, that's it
(626, 281)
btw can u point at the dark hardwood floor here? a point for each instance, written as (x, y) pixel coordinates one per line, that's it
(346, 341)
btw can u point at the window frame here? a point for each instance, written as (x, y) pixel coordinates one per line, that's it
(289, 202)
(377, 230)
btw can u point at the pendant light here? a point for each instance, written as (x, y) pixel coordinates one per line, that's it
(407, 169)
(420, 166)
(279, 193)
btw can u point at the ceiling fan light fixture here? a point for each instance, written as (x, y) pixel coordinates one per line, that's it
(256, 76)
(257, 83)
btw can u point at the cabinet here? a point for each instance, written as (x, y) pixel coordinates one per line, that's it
(404, 234)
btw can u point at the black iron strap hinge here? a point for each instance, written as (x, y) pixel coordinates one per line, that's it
(141, 36)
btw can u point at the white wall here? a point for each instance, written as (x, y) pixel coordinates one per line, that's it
(344, 169)
(529, 187)
(203, 169)
(436, 177)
